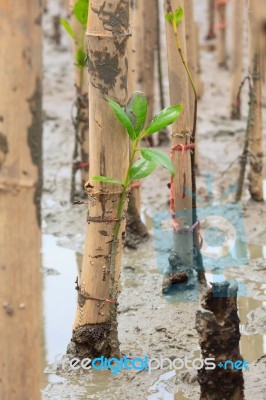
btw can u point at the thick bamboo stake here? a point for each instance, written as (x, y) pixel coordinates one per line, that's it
(217, 324)
(256, 139)
(95, 327)
(182, 256)
(221, 6)
(81, 147)
(211, 20)
(20, 192)
(237, 57)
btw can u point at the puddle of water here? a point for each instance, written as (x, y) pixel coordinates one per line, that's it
(59, 297)
(61, 267)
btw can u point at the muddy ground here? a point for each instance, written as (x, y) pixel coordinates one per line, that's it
(148, 322)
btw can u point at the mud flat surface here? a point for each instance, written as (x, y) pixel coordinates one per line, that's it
(149, 324)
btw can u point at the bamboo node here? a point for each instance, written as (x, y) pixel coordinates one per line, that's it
(105, 34)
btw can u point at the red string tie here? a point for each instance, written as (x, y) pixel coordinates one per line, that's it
(82, 165)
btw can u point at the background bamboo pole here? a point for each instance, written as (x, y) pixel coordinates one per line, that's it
(256, 138)
(237, 57)
(211, 20)
(221, 10)
(81, 149)
(20, 190)
(94, 330)
(181, 134)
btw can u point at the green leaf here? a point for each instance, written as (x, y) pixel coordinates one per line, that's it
(159, 158)
(80, 10)
(122, 118)
(136, 110)
(141, 168)
(175, 17)
(81, 57)
(68, 28)
(105, 179)
(164, 118)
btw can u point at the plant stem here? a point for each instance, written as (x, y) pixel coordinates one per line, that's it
(190, 79)
(113, 291)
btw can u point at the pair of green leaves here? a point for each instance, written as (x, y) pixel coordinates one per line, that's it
(133, 117)
(80, 10)
(175, 17)
(148, 162)
(142, 167)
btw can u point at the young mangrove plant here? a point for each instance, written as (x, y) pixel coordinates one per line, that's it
(133, 119)
(77, 31)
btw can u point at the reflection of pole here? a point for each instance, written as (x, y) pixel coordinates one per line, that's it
(217, 324)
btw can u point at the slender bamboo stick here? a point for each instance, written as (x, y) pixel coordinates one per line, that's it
(237, 57)
(256, 139)
(211, 20)
(20, 193)
(221, 7)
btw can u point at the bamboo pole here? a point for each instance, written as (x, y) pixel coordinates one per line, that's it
(198, 78)
(221, 6)
(20, 191)
(81, 123)
(136, 230)
(182, 256)
(148, 74)
(211, 20)
(256, 139)
(237, 57)
(95, 326)
(191, 53)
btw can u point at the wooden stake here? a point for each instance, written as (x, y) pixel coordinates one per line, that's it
(256, 142)
(95, 327)
(20, 193)
(237, 57)
(221, 6)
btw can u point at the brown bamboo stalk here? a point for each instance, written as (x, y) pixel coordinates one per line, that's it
(256, 138)
(181, 134)
(136, 230)
(221, 7)
(198, 78)
(149, 39)
(95, 326)
(20, 191)
(211, 20)
(81, 147)
(191, 53)
(237, 57)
